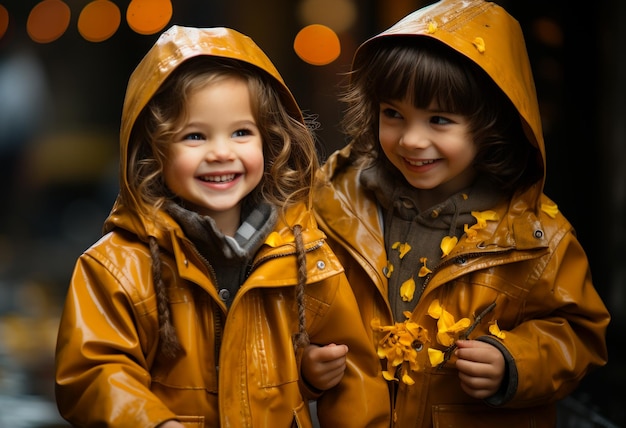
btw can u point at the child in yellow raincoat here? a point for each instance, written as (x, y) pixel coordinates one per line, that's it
(477, 294)
(211, 269)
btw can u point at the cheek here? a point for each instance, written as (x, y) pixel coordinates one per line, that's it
(254, 163)
(469, 154)
(387, 138)
(176, 169)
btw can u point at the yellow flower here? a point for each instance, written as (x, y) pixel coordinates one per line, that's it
(397, 346)
(402, 248)
(551, 210)
(479, 43)
(447, 327)
(407, 289)
(495, 330)
(447, 244)
(423, 270)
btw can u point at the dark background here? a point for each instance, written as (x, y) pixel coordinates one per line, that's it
(59, 121)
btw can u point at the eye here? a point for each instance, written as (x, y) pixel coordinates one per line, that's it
(243, 132)
(390, 113)
(440, 120)
(195, 136)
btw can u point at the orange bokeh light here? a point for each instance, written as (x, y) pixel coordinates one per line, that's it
(148, 16)
(4, 20)
(48, 21)
(317, 44)
(99, 20)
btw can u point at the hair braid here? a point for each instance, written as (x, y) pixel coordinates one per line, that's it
(301, 339)
(169, 341)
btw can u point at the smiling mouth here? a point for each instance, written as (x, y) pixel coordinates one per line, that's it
(420, 162)
(225, 178)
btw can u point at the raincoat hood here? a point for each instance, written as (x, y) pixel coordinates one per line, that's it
(487, 35)
(175, 46)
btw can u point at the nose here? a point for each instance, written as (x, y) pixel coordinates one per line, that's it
(220, 150)
(415, 135)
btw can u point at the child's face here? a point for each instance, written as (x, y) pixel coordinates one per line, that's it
(434, 150)
(217, 158)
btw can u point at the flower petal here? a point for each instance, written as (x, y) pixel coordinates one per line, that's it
(274, 239)
(432, 27)
(423, 272)
(479, 43)
(447, 244)
(435, 356)
(470, 232)
(551, 210)
(460, 325)
(402, 248)
(482, 217)
(495, 330)
(406, 378)
(435, 310)
(407, 289)
(388, 376)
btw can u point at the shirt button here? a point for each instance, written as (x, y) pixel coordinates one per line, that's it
(224, 294)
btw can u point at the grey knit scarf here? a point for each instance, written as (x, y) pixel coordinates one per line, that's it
(229, 257)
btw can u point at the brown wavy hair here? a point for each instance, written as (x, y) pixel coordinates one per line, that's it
(424, 70)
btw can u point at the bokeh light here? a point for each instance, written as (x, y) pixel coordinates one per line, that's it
(48, 21)
(548, 31)
(148, 16)
(339, 15)
(99, 20)
(317, 44)
(4, 20)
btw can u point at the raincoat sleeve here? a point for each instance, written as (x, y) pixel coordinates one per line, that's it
(102, 376)
(562, 336)
(361, 399)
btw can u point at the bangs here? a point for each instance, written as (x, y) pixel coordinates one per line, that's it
(424, 72)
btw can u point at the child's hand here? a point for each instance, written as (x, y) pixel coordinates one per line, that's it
(481, 368)
(323, 366)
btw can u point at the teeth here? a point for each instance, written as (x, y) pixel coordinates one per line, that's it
(219, 178)
(421, 163)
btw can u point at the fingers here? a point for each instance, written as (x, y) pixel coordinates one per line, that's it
(323, 366)
(329, 353)
(481, 368)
